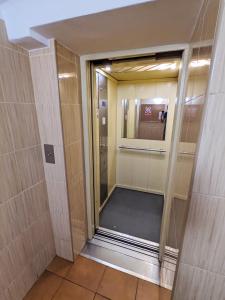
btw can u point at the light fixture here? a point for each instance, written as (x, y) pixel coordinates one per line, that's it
(66, 75)
(108, 68)
(165, 66)
(200, 63)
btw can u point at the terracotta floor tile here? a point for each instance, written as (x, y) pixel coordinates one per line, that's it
(45, 287)
(118, 285)
(71, 291)
(99, 297)
(150, 291)
(59, 266)
(165, 294)
(147, 290)
(86, 273)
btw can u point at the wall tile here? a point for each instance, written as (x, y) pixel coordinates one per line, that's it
(44, 78)
(30, 166)
(72, 123)
(49, 123)
(56, 172)
(1, 90)
(74, 162)
(64, 52)
(36, 202)
(71, 116)
(199, 231)
(10, 184)
(77, 200)
(3, 33)
(201, 271)
(15, 77)
(217, 84)
(195, 283)
(69, 91)
(6, 143)
(43, 65)
(209, 178)
(24, 125)
(25, 228)
(12, 215)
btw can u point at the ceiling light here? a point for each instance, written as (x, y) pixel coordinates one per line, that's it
(200, 63)
(108, 68)
(165, 66)
(66, 75)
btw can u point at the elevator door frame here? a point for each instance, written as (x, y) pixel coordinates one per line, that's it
(87, 108)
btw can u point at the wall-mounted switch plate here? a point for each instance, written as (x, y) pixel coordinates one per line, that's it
(49, 154)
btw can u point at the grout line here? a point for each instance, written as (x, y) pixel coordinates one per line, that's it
(102, 296)
(17, 102)
(137, 288)
(202, 269)
(100, 281)
(20, 149)
(53, 296)
(66, 279)
(13, 48)
(23, 191)
(84, 287)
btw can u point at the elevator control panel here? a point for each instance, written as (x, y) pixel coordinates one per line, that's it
(49, 154)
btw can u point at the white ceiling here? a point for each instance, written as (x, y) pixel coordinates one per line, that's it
(154, 23)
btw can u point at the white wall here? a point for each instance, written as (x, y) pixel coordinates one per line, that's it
(144, 171)
(37, 13)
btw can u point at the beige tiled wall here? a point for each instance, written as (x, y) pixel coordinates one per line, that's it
(26, 239)
(44, 75)
(201, 273)
(70, 100)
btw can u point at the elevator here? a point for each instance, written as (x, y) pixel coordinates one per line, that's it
(145, 113)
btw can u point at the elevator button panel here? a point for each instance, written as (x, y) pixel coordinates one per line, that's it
(49, 154)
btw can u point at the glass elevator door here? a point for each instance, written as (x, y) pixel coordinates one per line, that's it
(103, 135)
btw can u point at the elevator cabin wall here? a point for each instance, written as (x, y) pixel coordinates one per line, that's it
(138, 170)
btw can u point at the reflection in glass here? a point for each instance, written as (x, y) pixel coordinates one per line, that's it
(190, 130)
(144, 118)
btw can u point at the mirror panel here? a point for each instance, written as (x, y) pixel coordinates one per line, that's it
(144, 118)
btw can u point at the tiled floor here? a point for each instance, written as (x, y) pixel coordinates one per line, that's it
(89, 280)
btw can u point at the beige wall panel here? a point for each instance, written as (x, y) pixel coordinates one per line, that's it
(44, 75)
(144, 171)
(26, 238)
(71, 114)
(112, 133)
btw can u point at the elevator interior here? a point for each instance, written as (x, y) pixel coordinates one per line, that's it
(133, 113)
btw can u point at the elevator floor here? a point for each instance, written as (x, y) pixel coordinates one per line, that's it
(135, 213)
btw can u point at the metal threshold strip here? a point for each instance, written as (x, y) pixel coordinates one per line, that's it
(128, 254)
(135, 243)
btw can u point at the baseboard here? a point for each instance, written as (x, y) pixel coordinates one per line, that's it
(181, 197)
(140, 189)
(107, 199)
